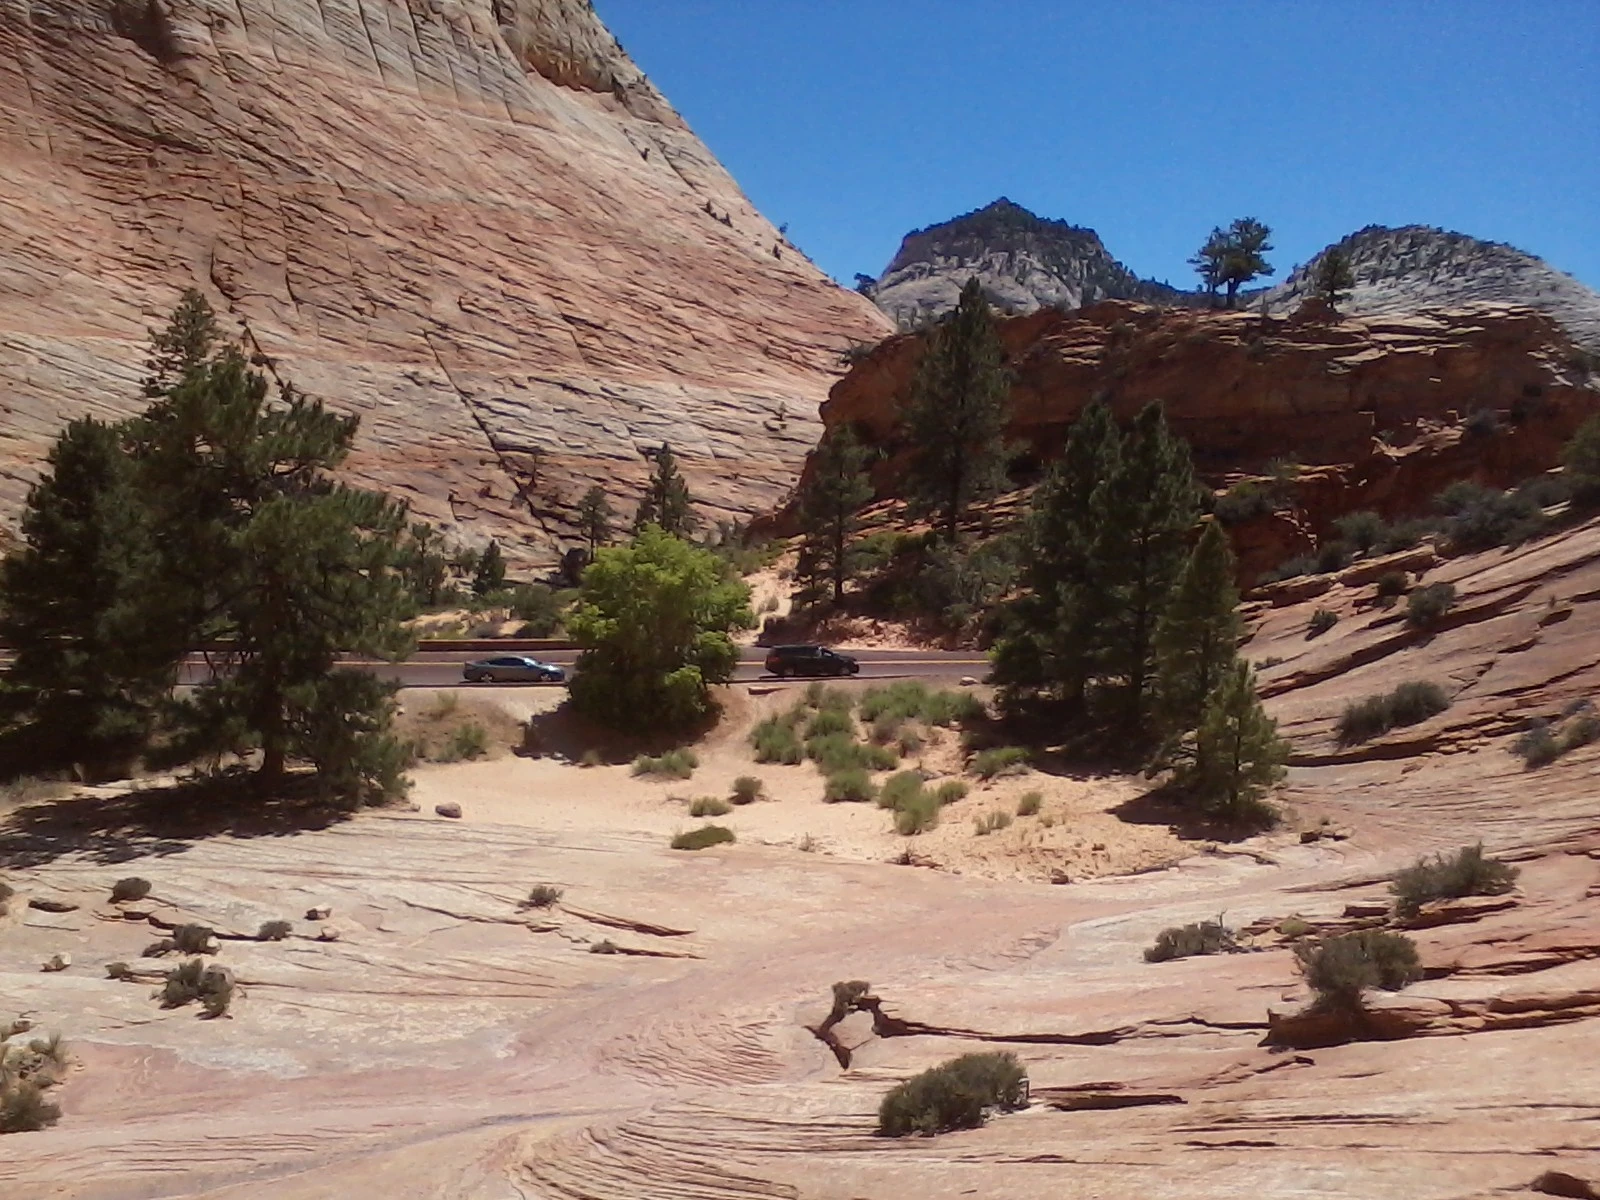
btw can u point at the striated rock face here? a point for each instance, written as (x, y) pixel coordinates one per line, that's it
(1384, 402)
(473, 222)
(1418, 266)
(1025, 262)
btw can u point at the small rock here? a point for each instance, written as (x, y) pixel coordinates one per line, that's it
(1098, 848)
(450, 809)
(968, 681)
(1367, 908)
(1057, 875)
(1307, 836)
(1559, 1183)
(20, 1025)
(319, 912)
(57, 962)
(51, 906)
(329, 933)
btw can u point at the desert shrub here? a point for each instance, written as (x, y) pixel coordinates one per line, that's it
(1408, 704)
(952, 708)
(182, 984)
(829, 721)
(910, 741)
(917, 815)
(954, 1095)
(775, 741)
(828, 699)
(273, 931)
(1000, 760)
(837, 752)
(1322, 620)
(604, 946)
(1390, 585)
(900, 788)
(1426, 605)
(1465, 873)
(1361, 530)
(1339, 969)
(193, 939)
(1246, 500)
(467, 741)
(886, 728)
(1290, 568)
(24, 1107)
(674, 764)
(535, 604)
(543, 895)
(1538, 746)
(1332, 556)
(1402, 535)
(1477, 518)
(592, 758)
(131, 888)
(1543, 743)
(1581, 458)
(699, 839)
(851, 784)
(1185, 941)
(1029, 804)
(118, 970)
(991, 822)
(1482, 422)
(1293, 927)
(1580, 731)
(950, 791)
(747, 789)
(709, 806)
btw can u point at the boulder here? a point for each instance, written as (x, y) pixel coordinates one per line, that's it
(448, 809)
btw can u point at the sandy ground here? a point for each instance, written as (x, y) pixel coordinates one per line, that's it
(1075, 835)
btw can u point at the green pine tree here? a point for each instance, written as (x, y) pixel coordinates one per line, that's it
(187, 343)
(1208, 262)
(424, 565)
(89, 669)
(490, 575)
(1052, 643)
(956, 419)
(594, 519)
(261, 549)
(1149, 506)
(1198, 635)
(1243, 259)
(836, 488)
(1333, 278)
(666, 502)
(1239, 755)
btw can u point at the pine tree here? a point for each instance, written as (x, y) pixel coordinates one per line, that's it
(88, 673)
(594, 519)
(491, 572)
(187, 343)
(1149, 506)
(1334, 277)
(1208, 262)
(666, 502)
(424, 566)
(1243, 256)
(261, 549)
(1052, 642)
(1239, 755)
(1199, 631)
(836, 488)
(957, 417)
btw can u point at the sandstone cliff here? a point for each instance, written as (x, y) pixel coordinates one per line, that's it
(473, 222)
(1025, 262)
(1418, 266)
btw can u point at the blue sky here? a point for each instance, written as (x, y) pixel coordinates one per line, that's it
(855, 121)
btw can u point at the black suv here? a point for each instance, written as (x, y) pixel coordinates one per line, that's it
(810, 660)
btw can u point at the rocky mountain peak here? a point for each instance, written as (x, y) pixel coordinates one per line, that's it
(1399, 270)
(1025, 262)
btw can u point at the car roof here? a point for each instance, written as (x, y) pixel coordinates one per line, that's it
(807, 646)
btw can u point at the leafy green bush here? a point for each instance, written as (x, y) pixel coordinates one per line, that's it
(1426, 605)
(1247, 500)
(1391, 585)
(950, 791)
(1538, 746)
(131, 888)
(709, 806)
(1029, 804)
(747, 789)
(699, 839)
(1185, 941)
(905, 698)
(886, 728)
(850, 784)
(900, 788)
(954, 1095)
(1465, 873)
(1339, 969)
(829, 721)
(536, 606)
(918, 814)
(1581, 458)
(273, 931)
(776, 741)
(1000, 760)
(836, 752)
(952, 708)
(1321, 621)
(1478, 518)
(1362, 530)
(1290, 568)
(674, 764)
(991, 822)
(1408, 704)
(820, 696)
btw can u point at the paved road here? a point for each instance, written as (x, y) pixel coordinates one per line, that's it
(429, 668)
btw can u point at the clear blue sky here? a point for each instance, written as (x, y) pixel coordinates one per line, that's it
(855, 121)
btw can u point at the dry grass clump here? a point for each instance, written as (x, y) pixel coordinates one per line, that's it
(1185, 941)
(1543, 742)
(998, 761)
(852, 785)
(747, 789)
(674, 764)
(25, 1075)
(1465, 873)
(542, 895)
(991, 822)
(709, 806)
(703, 837)
(1408, 704)
(131, 888)
(273, 931)
(1029, 803)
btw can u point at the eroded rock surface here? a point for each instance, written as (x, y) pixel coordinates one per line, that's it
(473, 222)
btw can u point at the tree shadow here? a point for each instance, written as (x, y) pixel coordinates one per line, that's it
(564, 734)
(1170, 806)
(161, 821)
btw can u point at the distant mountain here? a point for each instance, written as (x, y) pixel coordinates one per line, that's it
(1418, 266)
(1025, 262)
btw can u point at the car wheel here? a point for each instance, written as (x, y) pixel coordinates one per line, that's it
(473, 677)
(855, 668)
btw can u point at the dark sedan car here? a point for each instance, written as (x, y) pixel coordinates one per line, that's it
(512, 668)
(810, 660)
